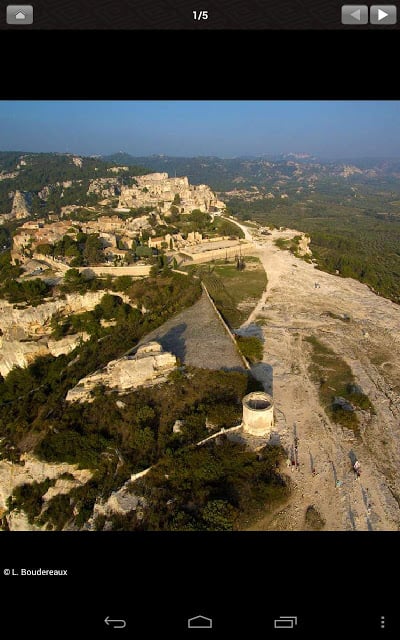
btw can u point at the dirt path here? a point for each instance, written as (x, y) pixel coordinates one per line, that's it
(292, 308)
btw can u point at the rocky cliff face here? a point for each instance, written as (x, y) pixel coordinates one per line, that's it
(148, 366)
(33, 470)
(35, 321)
(21, 205)
(106, 187)
(21, 354)
(26, 332)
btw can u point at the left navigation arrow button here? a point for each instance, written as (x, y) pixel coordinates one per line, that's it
(354, 14)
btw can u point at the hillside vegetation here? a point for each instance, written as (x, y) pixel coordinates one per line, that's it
(43, 169)
(30, 397)
(347, 239)
(235, 291)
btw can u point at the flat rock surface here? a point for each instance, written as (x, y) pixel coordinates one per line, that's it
(363, 329)
(196, 336)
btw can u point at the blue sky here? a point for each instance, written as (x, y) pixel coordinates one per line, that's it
(191, 128)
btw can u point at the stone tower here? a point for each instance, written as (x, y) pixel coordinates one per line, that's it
(258, 413)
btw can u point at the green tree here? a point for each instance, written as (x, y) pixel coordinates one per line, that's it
(92, 252)
(108, 306)
(199, 219)
(45, 249)
(219, 515)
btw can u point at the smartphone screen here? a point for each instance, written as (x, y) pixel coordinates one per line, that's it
(199, 318)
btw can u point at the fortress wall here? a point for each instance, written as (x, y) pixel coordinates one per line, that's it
(217, 254)
(136, 270)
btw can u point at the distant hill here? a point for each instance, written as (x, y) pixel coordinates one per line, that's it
(246, 172)
(33, 171)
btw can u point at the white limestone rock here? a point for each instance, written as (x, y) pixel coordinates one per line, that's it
(67, 344)
(148, 366)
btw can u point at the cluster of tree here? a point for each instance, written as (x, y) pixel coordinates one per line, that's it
(217, 487)
(74, 281)
(8, 271)
(142, 429)
(4, 238)
(28, 497)
(32, 292)
(110, 308)
(117, 441)
(85, 249)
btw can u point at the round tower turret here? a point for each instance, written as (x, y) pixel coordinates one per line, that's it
(258, 413)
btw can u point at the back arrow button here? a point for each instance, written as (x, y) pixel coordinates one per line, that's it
(115, 624)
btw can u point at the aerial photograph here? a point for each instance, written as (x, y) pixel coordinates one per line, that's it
(199, 316)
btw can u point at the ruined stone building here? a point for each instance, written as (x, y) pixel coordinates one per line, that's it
(161, 192)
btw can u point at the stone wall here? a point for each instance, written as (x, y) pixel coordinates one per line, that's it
(216, 254)
(135, 271)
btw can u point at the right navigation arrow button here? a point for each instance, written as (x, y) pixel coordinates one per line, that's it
(383, 14)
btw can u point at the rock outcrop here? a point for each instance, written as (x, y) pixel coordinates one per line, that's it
(19, 354)
(148, 366)
(28, 322)
(21, 205)
(303, 246)
(25, 333)
(121, 502)
(33, 470)
(106, 187)
(158, 191)
(67, 344)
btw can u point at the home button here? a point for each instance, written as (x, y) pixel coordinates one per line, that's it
(20, 14)
(200, 622)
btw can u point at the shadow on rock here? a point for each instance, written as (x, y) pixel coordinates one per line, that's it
(174, 341)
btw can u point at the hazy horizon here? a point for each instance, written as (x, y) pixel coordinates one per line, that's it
(224, 129)
(219, 157)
